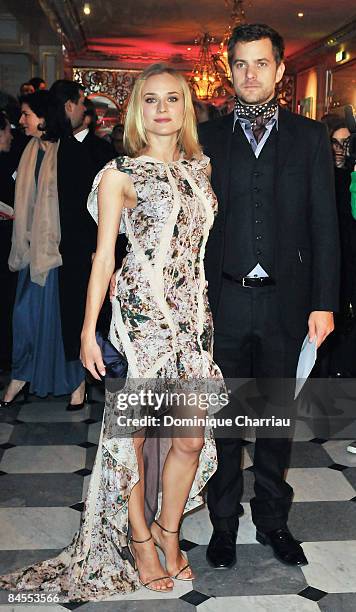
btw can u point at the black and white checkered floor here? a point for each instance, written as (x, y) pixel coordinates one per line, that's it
(46, 455)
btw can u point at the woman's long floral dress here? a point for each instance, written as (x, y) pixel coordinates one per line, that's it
(162, 323)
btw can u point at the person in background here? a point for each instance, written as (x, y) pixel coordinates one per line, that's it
(351, 448)
(116, 138)
(26, 88)
(13, 143)
(7, 278)
(339, 137)
(75, 174)
(337, 356)
(204, 111)
(10, 105)
(6, 136)
(99, 150)
(331, 120)
(38, 83)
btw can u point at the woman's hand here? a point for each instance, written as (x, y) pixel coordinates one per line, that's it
(112, 286)
(91, 358)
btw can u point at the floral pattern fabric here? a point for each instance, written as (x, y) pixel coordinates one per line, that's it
(162, 323)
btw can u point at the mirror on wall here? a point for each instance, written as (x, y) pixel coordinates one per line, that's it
(342, 86)
(108, 113)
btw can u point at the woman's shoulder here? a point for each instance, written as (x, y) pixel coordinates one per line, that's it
(197, 163)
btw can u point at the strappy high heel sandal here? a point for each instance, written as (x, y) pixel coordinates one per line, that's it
(177, 576)
(134, 565)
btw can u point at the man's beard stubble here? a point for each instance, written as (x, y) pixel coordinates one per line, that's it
(263, 99)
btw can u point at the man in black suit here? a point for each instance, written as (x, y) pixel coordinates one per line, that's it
(272, 265)
(99, 150)
(75, 175)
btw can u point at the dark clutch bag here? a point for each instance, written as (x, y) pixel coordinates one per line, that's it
(115, 363)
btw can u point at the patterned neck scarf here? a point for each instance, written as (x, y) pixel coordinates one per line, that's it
(258, 115)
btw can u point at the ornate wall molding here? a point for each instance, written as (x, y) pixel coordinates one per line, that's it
(286, 92)
(115, 84)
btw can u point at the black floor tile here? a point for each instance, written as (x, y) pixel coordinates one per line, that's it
(338, 602)
(186, 545)
(337, 467)
(194, 598)
(312, 594)
(11, 560)
(48, 433)
(318, 521)
(36, 490)
(256, 572)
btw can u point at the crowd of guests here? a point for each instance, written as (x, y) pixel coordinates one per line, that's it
(47, 248)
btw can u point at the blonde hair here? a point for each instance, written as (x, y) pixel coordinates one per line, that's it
(135, 135)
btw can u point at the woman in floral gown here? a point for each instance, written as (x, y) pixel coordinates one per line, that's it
(161, 198)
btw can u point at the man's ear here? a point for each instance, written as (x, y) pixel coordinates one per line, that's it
(86, 121)
(280, 72)
(68, 107)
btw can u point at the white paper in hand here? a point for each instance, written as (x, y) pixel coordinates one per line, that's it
(307, 359)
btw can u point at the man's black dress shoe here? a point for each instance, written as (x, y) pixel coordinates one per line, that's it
(285, 547)
(221, 552)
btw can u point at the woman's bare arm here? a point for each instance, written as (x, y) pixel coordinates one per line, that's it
(113, 190)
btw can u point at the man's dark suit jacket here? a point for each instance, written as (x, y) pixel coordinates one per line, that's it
(78, 163)
(307, 239)
(100, 151)
(75, 175)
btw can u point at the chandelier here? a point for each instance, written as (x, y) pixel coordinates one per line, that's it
(237, 18)
(209, 78)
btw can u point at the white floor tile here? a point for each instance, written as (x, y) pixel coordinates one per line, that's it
(331, 566)
(197, 527)
(338, 453)
(262, 603)
(246, 459)
(180, 588)
(86, 481)
(302, 432)
(319, 484)
(28, 608)
(37, 528)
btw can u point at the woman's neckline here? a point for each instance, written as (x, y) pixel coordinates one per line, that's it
(159, 161)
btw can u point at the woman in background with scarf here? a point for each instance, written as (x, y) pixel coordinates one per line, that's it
(39, 361)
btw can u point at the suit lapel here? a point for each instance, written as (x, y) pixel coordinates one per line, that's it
(285, 138)
(225, 157)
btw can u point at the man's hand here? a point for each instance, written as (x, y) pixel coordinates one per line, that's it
(321, 324)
